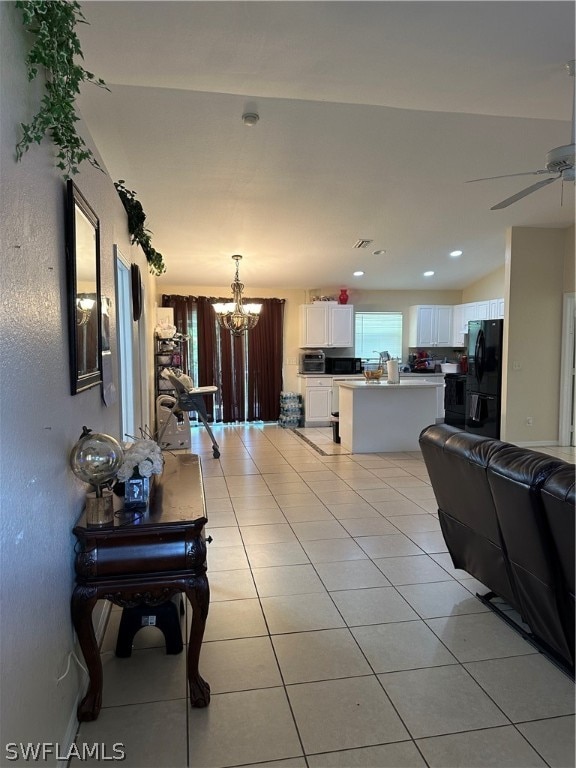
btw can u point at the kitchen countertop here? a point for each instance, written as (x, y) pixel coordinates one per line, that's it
(412, 383)
(360, 376)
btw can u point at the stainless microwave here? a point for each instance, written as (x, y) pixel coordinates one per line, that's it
(343, 366)
(312, 361)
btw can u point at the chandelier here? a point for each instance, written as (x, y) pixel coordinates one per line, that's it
(84, 306)
(234, 315)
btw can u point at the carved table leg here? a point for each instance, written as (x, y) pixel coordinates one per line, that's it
(83, 602)
(198, 593)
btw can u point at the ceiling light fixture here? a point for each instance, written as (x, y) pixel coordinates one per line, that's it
(84, 306)
(234, 315)
(359, 273)
(378, 253)
(429, 273)
(454, 254)
(250, 118)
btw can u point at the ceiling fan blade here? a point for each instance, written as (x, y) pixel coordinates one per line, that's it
(523, 193)
(509, 175)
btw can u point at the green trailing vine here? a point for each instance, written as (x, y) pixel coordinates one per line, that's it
(140, 235)
(56, 44)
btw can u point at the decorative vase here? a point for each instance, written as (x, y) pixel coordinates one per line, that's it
(137, 492)
(343, 298)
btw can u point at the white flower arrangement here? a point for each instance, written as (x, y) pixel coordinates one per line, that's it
(143, 456)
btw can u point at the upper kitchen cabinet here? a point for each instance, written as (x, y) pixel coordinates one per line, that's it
(475, 310)
(496, 309)
(325, 324)
(430, 325)
(463, 314)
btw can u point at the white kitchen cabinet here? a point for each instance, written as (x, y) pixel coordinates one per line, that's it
(316, 394)
(470, 313)
(481, 310)
(430, 325)
(458, 325)
(463, 313)
(496, 309)
(325, 324)
(474, 310)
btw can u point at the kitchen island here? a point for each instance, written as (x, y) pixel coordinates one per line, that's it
(382, 417)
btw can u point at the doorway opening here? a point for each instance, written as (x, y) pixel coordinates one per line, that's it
(566, 429)
(125, 353)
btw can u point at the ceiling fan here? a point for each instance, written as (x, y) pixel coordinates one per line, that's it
(559, 161)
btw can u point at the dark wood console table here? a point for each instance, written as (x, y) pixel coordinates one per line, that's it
(146, 560)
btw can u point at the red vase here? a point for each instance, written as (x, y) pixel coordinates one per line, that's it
(343, 298)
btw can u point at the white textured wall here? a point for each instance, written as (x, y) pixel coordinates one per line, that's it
(40, 499)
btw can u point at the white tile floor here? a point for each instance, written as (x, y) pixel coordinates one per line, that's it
(339, 634)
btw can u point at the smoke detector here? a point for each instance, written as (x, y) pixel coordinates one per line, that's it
(250, 118)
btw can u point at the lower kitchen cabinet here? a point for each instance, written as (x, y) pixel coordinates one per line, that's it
(317, 397)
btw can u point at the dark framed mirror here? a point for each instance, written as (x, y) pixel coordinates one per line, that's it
(84, 297)
(136, 292)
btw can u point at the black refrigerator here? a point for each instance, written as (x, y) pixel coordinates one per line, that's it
(484, 379)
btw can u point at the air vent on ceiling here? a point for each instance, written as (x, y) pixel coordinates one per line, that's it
(362, 243)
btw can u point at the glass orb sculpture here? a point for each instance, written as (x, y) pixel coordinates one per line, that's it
(96, 458)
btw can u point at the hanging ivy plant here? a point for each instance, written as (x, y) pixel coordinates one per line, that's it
(140, 235)
(56, 44)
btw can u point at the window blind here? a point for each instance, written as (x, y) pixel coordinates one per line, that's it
(377, 332)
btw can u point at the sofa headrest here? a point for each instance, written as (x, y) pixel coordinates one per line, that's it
(524, 466)
(561, 484)
(475, 448)
(437, 434)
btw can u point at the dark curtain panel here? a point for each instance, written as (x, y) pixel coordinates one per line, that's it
(182, 306)
(265, 353)
(207, 348)
(232, 376)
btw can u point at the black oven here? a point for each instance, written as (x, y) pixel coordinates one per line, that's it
(343, 366)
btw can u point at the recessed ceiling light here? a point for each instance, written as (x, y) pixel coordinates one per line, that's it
(359, 273)
(378, 253)
(428, 274)
(455, 253)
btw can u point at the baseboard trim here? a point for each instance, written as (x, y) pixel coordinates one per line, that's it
(536, 443)
(73, 724)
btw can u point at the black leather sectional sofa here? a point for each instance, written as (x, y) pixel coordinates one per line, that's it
(507, 515)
